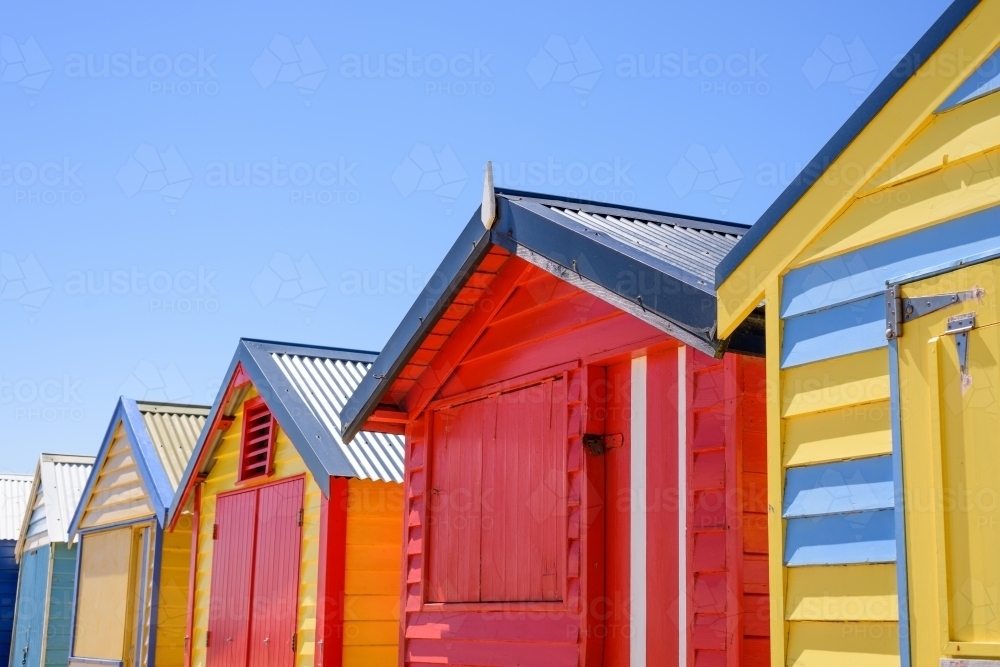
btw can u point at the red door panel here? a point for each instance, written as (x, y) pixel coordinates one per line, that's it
(524, 497)
(232, 562)
(276, 575)
(455, 501)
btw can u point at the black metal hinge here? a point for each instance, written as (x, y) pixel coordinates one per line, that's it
(208, 638)
(215, 531)
(295, 641)
(597, 444)
(898, 310)
(301, 512)
(959, 326)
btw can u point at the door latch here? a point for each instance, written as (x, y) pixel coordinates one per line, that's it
(959, 326)
(899, 310)
(597, 444)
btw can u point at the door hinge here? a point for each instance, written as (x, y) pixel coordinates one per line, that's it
(898, 310)
(301, 512)
(215, 531)
(597, 444)
(295, 641)
(959, 326)
(208, 638)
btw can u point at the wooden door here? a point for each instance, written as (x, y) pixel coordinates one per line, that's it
(276, 575)
(232, 567)
(949, 365)
(29, 618)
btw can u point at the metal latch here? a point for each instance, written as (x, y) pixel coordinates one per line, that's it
(597, 444)
(959, 326)
(899, 310)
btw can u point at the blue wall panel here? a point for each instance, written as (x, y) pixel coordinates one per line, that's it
(841, 539)
(8, 593)
(26, 646)
(863, 273)
(835, 332)
(836, 488)
(60, 606)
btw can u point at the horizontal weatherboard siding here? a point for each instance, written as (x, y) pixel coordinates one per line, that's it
(863, 273)
(837, 488)
(834, 435)
(842, 593)
(841, 539)
(835, 332)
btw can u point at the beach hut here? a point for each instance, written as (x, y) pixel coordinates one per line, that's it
(878, 267)
(131, 588)
(297, 540)
(584, 473)
(14, 491)
(47, 562)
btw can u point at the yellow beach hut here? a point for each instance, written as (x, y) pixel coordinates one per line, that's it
(879, 273)
(298, 536)
(132, 576)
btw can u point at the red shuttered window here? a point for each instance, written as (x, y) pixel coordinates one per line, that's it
(497, 529)
(257, 446)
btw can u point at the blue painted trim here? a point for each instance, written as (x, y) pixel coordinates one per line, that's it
(902, 583)
(985, 80)
(153, 474)
(948, 267)
(841, 539)
(835, 332)
(838, 488)
(140, 613)
(76, 593)
(864, 272)
(117, 524)
(154, 597)
(907, 67)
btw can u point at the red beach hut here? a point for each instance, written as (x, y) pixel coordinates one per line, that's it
(584, 469)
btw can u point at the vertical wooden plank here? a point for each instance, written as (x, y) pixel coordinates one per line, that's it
(662, 620)
(775, 525)
(232, 568)
(733, 411)
(637, 515)
(192, 575)
(276, 575)
(594, 394)
(618, 504)
(103, 584)
(330, 581)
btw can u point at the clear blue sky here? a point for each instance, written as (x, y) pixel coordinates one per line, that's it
(174, 176)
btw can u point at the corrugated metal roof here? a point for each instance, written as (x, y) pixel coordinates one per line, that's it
(14, 490)
(324, 385)
(63, 478)
(692, 249)
(174, 430)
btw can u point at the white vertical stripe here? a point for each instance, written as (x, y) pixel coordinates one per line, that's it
(682, 626)
(637, 587)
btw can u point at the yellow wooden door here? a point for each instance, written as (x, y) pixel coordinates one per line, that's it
(949, 375)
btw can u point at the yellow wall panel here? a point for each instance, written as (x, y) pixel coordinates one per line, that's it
(102, 608)
(813, 644)
(842, 593)
(171, 624)
(371, 586)
(118, 494)
(222, 478)
(836, 383)
(853, 432)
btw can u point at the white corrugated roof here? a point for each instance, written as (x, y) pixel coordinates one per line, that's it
(324, 385)
(14, 490)
(55, 492)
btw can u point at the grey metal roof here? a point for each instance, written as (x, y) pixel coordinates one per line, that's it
(56, 489)
(174, 430)
(14, 490)
(324, 385)
(696, 250)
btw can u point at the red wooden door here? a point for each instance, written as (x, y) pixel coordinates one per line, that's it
(232, 562)
(524, 497)
(455, 501)
(276, 575)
